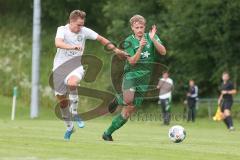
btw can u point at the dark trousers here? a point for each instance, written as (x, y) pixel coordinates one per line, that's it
(165, 106)
(191, 109)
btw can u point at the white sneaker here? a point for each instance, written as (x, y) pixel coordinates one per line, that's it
(231, 128)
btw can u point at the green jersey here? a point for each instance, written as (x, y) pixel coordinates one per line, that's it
(136, 77)
(148, 56)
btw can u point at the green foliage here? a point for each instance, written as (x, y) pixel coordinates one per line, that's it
(56, 12)
(204, 43)
(16, 45)
(201, 37)
(123, 10)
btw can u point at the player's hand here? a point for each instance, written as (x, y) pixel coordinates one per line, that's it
(121, 54)
(77, 47)
(143, 42)
(152, 32)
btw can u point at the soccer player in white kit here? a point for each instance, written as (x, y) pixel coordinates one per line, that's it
(67, 69)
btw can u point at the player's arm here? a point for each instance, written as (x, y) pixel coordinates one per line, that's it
(220, 99)
(133, 60)
(159, 84)
(159, 47)
(231, 90)
(59, 43)
(105, 42)
(234, 91)
(189, 93)
(59, 40)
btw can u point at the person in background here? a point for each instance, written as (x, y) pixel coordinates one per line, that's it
(192, 96)
(165, 86)
(225, 100)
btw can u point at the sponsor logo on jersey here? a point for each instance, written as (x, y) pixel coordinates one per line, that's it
(79, 38)
(145, 54)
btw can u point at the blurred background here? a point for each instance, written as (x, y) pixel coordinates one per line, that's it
(202, 40)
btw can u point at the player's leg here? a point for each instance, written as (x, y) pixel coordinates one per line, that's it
(227, 116)
(189, 110)
(122, 118)
(72, 84)
(223, 105)
(163, 107)
(193, 110)
(72, 81)
(66, 115)
(112, 106)
(60, 89)
(168, 110)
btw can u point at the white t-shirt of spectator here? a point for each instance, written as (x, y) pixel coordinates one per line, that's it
(166, 87)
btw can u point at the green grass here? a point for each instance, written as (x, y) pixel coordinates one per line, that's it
(43, 140)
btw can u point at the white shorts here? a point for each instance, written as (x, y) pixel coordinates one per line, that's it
(78, 72)
(60, 81)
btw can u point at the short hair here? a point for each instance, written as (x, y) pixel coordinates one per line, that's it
(137, 18)
(75, 14)
(191, 80)
(165, 71)
(225, 72)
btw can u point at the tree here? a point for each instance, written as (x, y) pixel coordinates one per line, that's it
(201, 37)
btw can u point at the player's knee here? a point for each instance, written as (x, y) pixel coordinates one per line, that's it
(128, 101)
(128, 97)
(126, 114)
(131, 109)
(64, 103)
(128, 111)
(226, 113)
(72, 81)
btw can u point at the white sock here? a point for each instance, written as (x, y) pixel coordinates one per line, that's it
(73, 97)
(67, 117)
(69, 125)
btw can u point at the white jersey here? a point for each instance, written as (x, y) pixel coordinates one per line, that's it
(166, 87)
(71, 38)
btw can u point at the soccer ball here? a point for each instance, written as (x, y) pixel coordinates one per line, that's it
(177, 134)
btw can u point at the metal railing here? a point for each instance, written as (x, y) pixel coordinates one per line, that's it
(211, 104)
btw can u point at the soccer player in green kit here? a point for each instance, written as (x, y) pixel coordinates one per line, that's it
(137, 71)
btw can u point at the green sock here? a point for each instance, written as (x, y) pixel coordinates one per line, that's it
(117, 123)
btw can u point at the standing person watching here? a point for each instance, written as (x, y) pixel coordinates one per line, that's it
(165, 86)
(225, 100)
(192, 96)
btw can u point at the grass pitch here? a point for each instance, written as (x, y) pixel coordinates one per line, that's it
(43, 140)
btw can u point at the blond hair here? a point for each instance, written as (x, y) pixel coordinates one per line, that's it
(75, 14)
(137, 18)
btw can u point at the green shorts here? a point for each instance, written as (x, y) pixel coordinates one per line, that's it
(137, 84)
